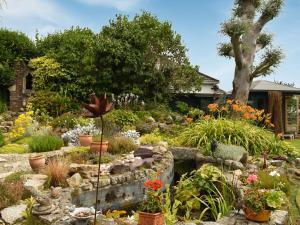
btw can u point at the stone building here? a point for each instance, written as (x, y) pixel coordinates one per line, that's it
(20, 90)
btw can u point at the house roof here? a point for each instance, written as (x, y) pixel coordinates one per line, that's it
(208, 79)
(264, 85)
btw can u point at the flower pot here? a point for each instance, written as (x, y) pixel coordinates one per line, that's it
(262, 216)
(151, 218)
(37, 162)
(85, 140)
(95, 146)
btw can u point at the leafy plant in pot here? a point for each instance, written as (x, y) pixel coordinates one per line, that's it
(259, 203)
(96, 143)
(151, 208)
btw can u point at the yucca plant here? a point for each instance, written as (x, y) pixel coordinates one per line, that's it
(254, 139)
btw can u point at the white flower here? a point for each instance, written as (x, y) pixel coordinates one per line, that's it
(274, 174)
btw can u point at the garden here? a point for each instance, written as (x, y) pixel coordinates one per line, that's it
(181, 165)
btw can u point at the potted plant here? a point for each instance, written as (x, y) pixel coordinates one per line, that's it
(85, 139)
(96, 144)
(259, 203)
(37, 162)
(86, 133)
(151, 208)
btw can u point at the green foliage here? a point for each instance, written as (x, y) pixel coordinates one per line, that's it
(275, 199)
(182, 107)
(195, 113)
(14, 177)
(130, 57)
(13, 148)
(204, 194)
(232, 152)
(14, 46)
(1, 139)
(51, 103)
(27, 214)
(121, 145)
(24, 141)
(234, 132)
(68, 120)
(79, 154)
(270, 182)
(151, 139)
(121, 117)
(3, 106)
(45, 143)
(298, 198)
(69, 63)
(170, 208)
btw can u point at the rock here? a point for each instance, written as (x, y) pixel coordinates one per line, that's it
(148, 162)
(209, 223)
(4, 175)
(144, 152)
(182, 153)
(119, 168)
(13, 213)
(2, 160)
(276, 163)
(297, 163)
(235, 165)
(227, 220)
(137, 163)
(279, 217)
(169, 120)
(150, 119)
(35, 181)
(75, 181)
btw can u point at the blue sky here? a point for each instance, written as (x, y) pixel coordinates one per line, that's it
(197, 21)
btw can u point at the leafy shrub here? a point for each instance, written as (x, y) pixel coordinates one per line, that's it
(21, 126)
(57, 172)
(121, 145)
(68, 120)
(105, 158)
(13, 148)
(79, 154)
(254, 139)
(1, 138)
(195, 113)
(45, 143)
(182, 107)
(270, 182)
(10, 193)
(3, 106)
(51, 103)
(205, 194)
(151, 139)
(121, 117)
(110, 127)
(146, 128)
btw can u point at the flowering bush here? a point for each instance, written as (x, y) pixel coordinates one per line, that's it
(72, 136)
(234, 109)
(127, 101)
(259, 199)
(133, 134)
(21, 126)
(153, 201)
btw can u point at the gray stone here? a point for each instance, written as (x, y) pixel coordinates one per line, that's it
(75, 181)
(148, 162)
(209, 223)
(119, 168)
(35, 181)
(137, 163)
(144, 152)
(150, 119)
(279, 217)
(276, 163)
(13, 213)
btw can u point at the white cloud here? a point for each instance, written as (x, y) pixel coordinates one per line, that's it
(31, 15)
(122, 5)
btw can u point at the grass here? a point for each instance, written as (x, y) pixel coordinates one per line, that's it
(296, 144)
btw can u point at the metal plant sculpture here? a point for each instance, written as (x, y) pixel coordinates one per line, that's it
(97, 108)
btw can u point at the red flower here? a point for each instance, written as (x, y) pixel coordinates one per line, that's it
(153, 184)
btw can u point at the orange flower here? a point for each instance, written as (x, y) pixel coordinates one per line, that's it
(253, 117)
(206, 117)
(229, 101)
(212, 107)
(246, 116)
(224, 109)
(236, 108)
(189, 119)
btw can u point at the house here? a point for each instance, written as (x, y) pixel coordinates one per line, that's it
(209, 93)
(280, 100)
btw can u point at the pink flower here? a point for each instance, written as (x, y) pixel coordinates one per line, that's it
(251, 179)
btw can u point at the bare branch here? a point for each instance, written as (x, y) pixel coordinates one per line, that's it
(270, 60)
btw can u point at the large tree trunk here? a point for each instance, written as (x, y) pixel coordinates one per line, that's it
(241, 84)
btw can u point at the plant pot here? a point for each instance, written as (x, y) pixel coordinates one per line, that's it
(262, 216)
(37, 162)
(151, 218)
(85, 140)
(95, 146)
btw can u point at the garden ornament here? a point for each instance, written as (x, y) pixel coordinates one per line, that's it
(97, 108)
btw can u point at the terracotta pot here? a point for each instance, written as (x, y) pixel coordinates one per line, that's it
(151, 218)
(262, 216)
(95, 146)
(85, 140)
(37, 162)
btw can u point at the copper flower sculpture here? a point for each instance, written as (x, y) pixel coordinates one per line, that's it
(97, 108)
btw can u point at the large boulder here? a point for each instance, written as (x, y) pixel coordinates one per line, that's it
(12, 214)
(75, 181)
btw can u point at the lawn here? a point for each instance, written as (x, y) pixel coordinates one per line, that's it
(296, 144)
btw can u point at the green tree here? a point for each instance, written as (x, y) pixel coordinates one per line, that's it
(143, 56)
(13, 46)
(70, 60)
(245, 30)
